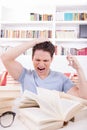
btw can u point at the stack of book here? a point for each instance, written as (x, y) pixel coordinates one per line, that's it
(6, 105)
(11, 81)
(8, 95)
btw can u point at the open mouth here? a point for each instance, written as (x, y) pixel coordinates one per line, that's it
(40, 69)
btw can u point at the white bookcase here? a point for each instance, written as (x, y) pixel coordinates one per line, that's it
(58, 27)
(67, 21)
(63, 31)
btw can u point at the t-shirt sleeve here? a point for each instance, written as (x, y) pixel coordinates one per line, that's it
(26, 80)
(21, 77)
(68, 84)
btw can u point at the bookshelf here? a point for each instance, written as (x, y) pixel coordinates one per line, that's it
(60, 25)
(67, 29)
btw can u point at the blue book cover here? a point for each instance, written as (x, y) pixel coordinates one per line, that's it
(68, 16)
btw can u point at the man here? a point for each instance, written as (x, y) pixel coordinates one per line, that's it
(42, 76)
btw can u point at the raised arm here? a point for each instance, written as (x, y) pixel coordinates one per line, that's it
(81, 89)
(9, 57)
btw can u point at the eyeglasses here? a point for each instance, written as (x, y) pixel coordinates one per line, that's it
(7, 118)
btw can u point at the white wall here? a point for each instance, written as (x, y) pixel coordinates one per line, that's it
(20, 9)
(59, 63)
(34, 3)
(17, 8)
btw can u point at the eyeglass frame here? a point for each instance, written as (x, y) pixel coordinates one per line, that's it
(5, 113)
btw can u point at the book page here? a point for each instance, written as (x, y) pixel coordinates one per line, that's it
(63, 108)
(38, 120)
(70, 107)
(31, 125)
(50, 102)
(36, 115)
(49, 105)
(72, 97)
(28, 99)
(24, 102)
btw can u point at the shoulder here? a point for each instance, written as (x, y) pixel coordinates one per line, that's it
(57, 73)
(59, 76)
(26, 72)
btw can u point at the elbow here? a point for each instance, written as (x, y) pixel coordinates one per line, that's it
(83, 90)
(83, 94)
(3, 59)
(83, 97)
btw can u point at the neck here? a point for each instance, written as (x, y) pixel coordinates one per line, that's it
(44, 76)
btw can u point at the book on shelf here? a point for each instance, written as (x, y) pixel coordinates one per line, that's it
(76, 16)
(83, 31)
(48, 110)
(61, 50)
(27, 33)
(40, 17)
(81, 16)
(68, 16)
(82, 51)
(85, 16)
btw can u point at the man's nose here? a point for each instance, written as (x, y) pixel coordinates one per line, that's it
(41, 63)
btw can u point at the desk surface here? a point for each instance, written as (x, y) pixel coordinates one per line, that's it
(79, 124)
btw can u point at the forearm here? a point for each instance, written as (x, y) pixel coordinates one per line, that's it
(14, 52)
(82, 83)
(81, 75)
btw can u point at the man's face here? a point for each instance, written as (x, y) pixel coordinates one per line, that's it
(41, 61)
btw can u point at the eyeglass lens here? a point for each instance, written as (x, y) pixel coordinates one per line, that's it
(7, 119)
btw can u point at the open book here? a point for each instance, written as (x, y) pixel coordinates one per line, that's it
(47, 110)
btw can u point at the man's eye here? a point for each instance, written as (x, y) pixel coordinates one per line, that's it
(45, 60)
(37, 60)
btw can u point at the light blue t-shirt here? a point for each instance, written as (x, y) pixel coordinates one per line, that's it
(30, 80)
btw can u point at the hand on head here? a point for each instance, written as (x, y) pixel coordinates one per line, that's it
(40, 40)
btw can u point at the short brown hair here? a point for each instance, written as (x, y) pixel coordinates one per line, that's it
(45, 46)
